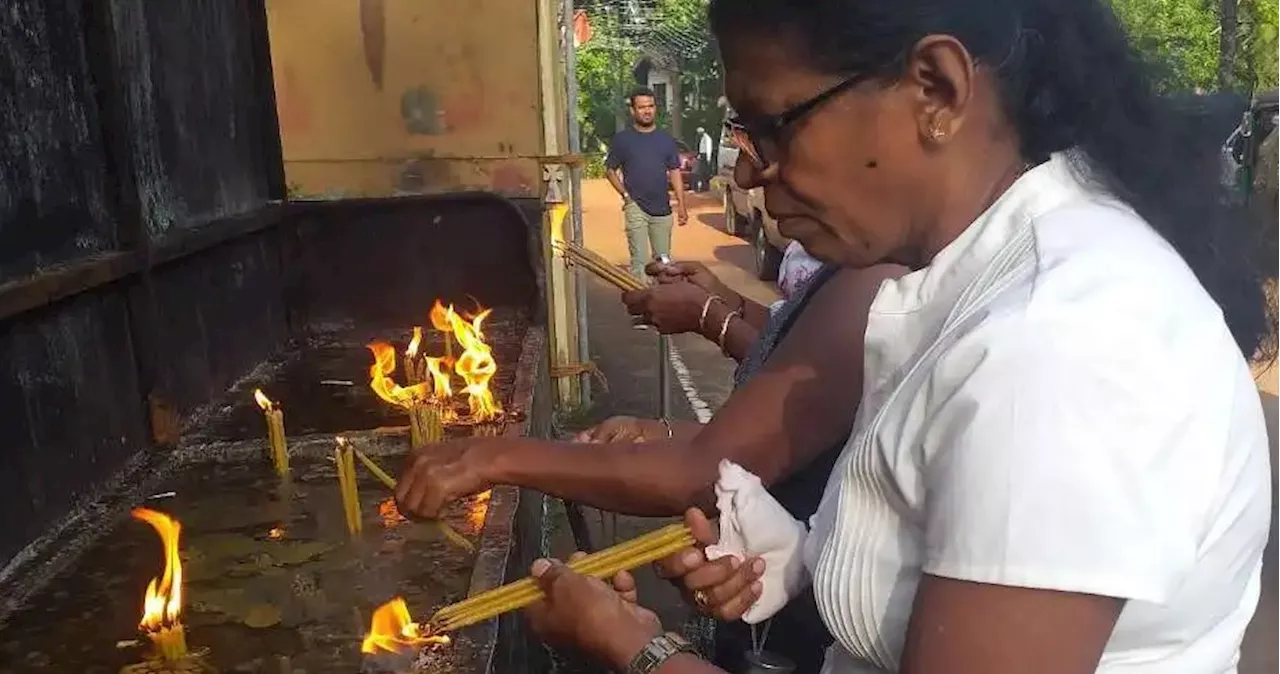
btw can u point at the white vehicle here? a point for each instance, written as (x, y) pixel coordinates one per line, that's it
(745, 214)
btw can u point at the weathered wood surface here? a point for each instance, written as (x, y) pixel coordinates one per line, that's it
(53, 204)
(132, 134)
(193, 99)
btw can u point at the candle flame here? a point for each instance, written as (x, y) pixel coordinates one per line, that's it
(478, 510)
(440, 318)
(393, 631)
(162, 605)
(384, 365)
(441, 388)
(476, 365)
(263, 401)
(415, 343)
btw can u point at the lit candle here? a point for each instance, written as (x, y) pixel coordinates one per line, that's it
(275, 432)
(162, 604)
(345, 459)
(412, 364)
(441, 321)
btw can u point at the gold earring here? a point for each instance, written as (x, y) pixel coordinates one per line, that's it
(936, 133)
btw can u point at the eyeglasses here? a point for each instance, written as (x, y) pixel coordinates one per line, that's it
(761, 137)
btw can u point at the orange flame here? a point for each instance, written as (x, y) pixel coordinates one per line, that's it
(389, 513)
(393, 631)
(441, 317)
(384, 364)
(478, 509)
(415, 343)
(476, 365)
(441, 388)
(162, 606)
(263, 401)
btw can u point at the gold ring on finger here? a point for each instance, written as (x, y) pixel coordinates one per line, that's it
(701, 599)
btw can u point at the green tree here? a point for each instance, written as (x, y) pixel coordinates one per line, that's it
(604, 64)
(1185, 37)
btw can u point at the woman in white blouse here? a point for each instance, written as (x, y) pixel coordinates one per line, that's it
(1059, 465)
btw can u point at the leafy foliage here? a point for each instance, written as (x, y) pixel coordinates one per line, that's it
(1184, 35)
(1181, 34)
(676, 29)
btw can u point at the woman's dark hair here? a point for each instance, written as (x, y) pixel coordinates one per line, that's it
(1068, 78)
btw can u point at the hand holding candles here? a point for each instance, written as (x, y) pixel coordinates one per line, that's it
(275, 432)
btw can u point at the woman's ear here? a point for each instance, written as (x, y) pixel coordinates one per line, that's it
(940, 72)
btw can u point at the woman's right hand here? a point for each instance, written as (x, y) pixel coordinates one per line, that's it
(725, 588)
(439, 474)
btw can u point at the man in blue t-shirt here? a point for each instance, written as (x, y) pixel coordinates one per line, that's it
(642, 161)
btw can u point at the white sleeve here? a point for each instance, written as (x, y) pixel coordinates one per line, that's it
(1069, 457)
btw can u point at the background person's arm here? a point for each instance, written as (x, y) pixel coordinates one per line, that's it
(677, 186)
(613, 170)
(802, 403)
(614, 176)
(677, 181)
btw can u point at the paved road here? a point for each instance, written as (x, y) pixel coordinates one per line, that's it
(703, 239)
(628, 359)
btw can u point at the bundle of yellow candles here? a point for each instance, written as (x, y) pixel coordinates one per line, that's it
(605, 564)
(592, 262)
(276, 438)
(426, 424)
(447, 531)
(345, 457)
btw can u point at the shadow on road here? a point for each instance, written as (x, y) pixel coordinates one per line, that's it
(714, 221)
(739, 255)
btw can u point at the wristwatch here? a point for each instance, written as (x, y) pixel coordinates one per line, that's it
(658, 651)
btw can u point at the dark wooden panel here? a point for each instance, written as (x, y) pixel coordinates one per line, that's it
(72, 410)
(195, 120)
(52, 204)
(384, 261)
(218, 314)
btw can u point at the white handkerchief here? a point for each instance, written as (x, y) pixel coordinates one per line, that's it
(754, 524)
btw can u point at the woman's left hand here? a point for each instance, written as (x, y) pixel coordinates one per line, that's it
(672, 308)
(624, 429)
(580, 611)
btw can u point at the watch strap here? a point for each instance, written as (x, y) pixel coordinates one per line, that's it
(658, 651)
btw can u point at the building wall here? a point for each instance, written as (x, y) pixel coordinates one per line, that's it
(378, 97)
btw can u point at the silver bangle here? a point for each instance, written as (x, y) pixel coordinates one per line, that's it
(724, 327)
(706, 306)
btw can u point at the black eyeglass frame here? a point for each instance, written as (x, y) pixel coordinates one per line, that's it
(772, 127)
